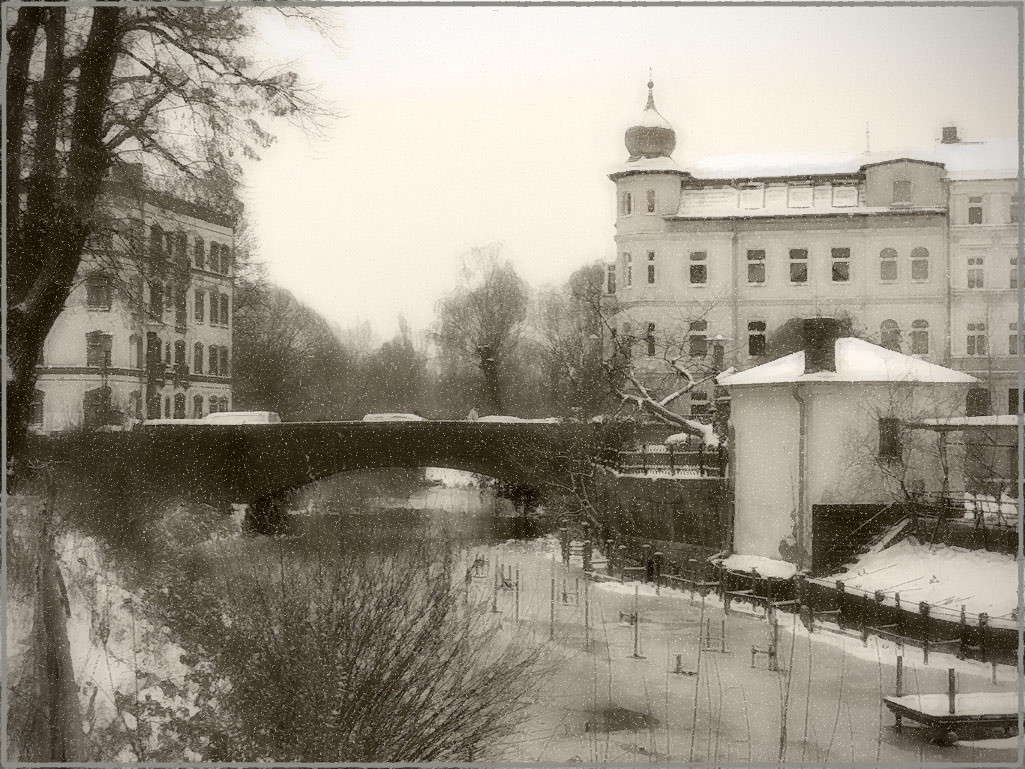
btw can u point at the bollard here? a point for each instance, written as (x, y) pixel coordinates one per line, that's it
(658, 572)
(899, 691)
(587, 554)
(951, 690)
(923, 609)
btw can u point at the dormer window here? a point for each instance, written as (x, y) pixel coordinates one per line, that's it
(902, 191)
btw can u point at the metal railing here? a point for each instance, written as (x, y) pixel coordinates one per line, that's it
(669, 460)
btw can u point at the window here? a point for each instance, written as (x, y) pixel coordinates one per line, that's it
(214, 257)
(156, 241)
(169, 297)
(167, 353)
(920, 264)
(976, 271)
(651, 201)
(889, 438)
(977, 403)
(650, 339)
(651, 267)
(902, 191)
(97, 292)
(135, 351)
(223, 355)
(920, 337)
(975, 211)
(212, 368)
(1012, 339)
(626, 345)
(755, 266)
(888, 265)
(167, 407)
(197, 407)
(698, 338)
(35, 408)
(756, 337)
(698, 267)
(97, 349)
(976, 338)
(698, 402)
(889, 335)
(179, 353)
(200, 303)
(226, 260)
(1013, 282)
(841, 265)
(610, 285)
(168, 244)
(181, 250)
(798, 265)
(215, 404)
(213, 309)
(179, 406)
(1014, 213)
(224, 310)
(1012, 400)
(181, 310)
(197, 358)
(135, 404)
(199, 255)
(628, 271)
(626, 204)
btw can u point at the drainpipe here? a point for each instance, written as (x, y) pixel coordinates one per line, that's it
(802, 474)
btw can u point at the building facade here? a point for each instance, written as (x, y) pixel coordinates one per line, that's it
(917, 254)
(146, 332)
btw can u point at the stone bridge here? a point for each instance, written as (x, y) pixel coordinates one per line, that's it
(257, 464)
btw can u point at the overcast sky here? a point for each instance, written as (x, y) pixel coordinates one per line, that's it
(466, 126)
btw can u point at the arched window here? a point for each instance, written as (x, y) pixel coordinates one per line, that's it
(224, 309)
(888, 265)
(223, 355)
(197, 407)
(199, 254)
(215, 404)
(889, 335)
(35, 409)
(135, 351)
(167, 407)
(179, 406)
(920, 337)
(920, 264)
(156, 240)
(212, 367)
(197, 358)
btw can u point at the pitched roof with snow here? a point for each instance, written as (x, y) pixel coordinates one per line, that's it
(643, 165)
(856, 361)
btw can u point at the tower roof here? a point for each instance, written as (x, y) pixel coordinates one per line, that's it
(650, 136)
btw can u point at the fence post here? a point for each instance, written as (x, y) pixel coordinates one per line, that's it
(701, 460)
(586, 554)
(951, 690)
(672, 459)
(610, 556)
(864, 619)
(983, 621)
(899, 691)
(658, 572)
(644, 458)
(564, 544)
(923, 609)
(646, 556)
(622, 561)
(839, 602)
(963, 628)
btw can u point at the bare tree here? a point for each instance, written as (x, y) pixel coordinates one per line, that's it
(481, 321)
(89, 88)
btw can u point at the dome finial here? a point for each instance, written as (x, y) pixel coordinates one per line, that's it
(651, 91)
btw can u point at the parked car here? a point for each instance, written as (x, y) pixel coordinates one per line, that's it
(393, 418)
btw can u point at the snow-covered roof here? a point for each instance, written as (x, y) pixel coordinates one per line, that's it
(856, 361)
(694, 210)
(642, 165)
(987, 159)
(766, 567)
(954, 423)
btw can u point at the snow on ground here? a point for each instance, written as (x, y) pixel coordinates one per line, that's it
(451, 478)
(945, 577)
(970, 704)
(765, 567)
(1000, 743)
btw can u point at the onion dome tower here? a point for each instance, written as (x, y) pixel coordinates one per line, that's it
(650, 136)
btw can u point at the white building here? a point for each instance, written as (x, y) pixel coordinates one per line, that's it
(917, 251)
(828, 425)
(146, 332)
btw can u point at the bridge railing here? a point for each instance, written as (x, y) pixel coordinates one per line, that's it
(658, 459)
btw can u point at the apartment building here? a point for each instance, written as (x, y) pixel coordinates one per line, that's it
(917, 253)
(146, 332)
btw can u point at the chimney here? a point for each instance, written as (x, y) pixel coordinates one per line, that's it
(820, 344)
(949, 135)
